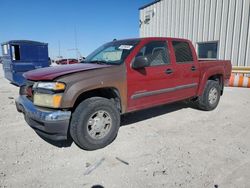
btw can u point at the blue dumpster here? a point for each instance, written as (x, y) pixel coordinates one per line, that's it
(20, 56)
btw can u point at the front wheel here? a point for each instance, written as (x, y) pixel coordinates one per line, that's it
(94, 123)
(210, 97)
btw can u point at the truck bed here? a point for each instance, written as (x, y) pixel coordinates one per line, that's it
(211, 64)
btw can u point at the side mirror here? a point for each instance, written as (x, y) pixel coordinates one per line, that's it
(140, 62)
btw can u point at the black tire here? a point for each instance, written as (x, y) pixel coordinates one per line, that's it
(204, 102)
(79, 127)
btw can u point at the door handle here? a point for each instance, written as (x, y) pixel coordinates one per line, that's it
(169, 71)
(193, 68)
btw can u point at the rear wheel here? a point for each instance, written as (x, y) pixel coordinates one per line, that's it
(210, 97)
(95, 123)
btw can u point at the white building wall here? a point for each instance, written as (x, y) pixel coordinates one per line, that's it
(226, 21)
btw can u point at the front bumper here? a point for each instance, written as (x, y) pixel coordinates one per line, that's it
(51, 124)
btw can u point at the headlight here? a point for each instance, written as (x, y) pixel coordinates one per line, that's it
(48, 94)
(49, 85)
(47, 100)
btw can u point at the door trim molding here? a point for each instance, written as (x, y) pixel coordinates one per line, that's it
(161, 91)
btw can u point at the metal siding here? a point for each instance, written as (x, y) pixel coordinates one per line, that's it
(149, 30)
(230, 29)
(148, 27)
(182, 16)
(169, 17)
(163, 23)
(196, 20)
(236, 33)
(244, 33)
(218, 20)
(177, 25)
(201, 20)
(206, 20)
(165, 18)
(157, 17)
(190, 20)
(247, 59)
(177, 18)
(173, 18)
(141, 24)
(211, 28)
(161, 18)
(186, 8)
(223, 32)
(144, 26)
(153, 32)
(163, 28)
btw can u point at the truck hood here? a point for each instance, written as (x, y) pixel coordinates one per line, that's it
(50, 73)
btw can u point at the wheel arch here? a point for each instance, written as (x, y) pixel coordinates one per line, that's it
(211, 75)
(111, 93)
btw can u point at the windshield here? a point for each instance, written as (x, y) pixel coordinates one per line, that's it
(112, 53)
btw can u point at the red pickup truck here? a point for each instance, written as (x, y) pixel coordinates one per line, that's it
(84, 101)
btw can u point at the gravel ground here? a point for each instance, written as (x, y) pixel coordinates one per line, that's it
(168, 146)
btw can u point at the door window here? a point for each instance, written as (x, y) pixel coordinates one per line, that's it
(156, 52)
(183, 52)
(15, 52)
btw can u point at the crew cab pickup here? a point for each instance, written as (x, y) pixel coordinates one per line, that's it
(84, 101)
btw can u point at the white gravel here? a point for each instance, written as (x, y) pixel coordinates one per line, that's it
(168, 146)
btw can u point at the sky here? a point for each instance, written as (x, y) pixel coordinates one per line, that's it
(60, 22)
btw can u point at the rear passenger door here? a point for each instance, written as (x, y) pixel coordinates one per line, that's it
(154, 84)
(186, 69)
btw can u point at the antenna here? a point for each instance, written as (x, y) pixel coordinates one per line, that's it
(76, 43)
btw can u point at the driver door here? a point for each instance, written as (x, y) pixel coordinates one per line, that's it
(154, 84)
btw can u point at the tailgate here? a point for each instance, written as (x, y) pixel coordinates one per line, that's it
(228, 69)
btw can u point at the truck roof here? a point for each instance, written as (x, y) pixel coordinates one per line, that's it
(151, 38)
(24, 42)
